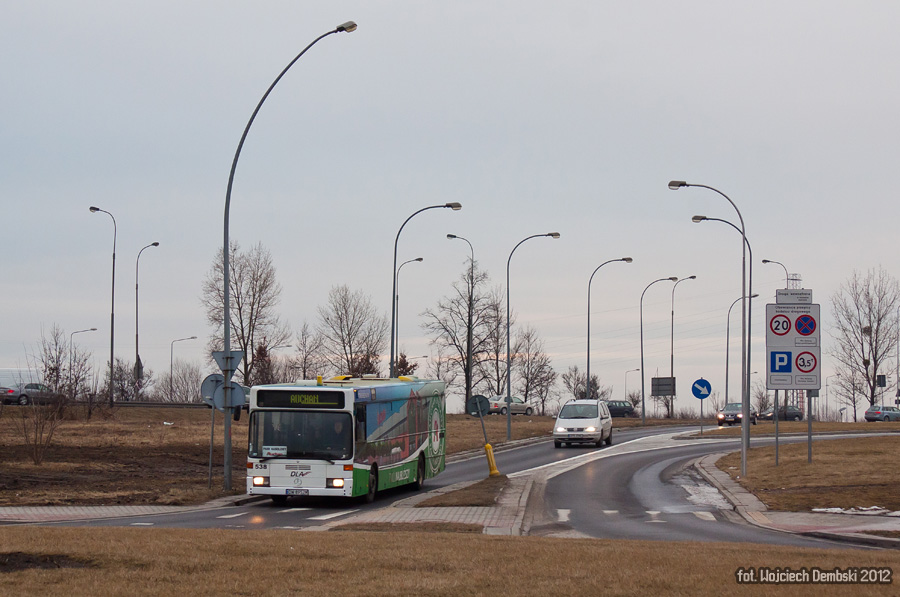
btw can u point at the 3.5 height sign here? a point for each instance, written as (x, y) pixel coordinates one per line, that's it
(793, 347)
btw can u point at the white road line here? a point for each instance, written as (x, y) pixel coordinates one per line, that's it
(654, 516)
(142, 524)
(293, 510)
(705, 516)
(611, 512)
(232, 515)
(563, 515)
(334, 515)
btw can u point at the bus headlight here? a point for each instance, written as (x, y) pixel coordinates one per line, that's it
(260, 481)
(335, 483)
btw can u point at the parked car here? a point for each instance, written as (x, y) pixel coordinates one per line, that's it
(517, 406)
(785, 413)
(583, 421)
(620, 408)
(28, 393)
(880, 412)
(733, 414)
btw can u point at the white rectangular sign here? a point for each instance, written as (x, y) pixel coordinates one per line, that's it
(793, 348)
(792, 296)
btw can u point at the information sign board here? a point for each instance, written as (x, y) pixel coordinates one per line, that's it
(793, 346)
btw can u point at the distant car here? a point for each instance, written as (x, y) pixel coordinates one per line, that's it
(583, 421)
(733, 414)
(28, 393)
(880, 412)
(620, 408)
(518, 406)
(785, 413)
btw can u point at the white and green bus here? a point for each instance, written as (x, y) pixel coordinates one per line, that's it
(344, 437)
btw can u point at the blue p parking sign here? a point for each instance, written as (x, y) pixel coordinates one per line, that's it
(780, 362)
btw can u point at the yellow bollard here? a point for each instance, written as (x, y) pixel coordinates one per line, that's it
(492, 466)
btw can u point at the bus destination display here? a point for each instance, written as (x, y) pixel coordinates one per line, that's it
(299, 399)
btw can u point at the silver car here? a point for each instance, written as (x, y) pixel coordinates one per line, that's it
(517, 406)
(28, 393)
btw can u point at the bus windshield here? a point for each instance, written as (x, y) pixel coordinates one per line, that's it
(300, 434)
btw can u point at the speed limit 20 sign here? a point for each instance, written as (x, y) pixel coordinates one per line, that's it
(793, 347)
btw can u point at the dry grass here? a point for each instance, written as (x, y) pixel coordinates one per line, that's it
(843, 474)
(483, 493)
(217, 562)
(464, 432)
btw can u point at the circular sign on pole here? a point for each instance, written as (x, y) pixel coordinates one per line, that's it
(805, 324)
(780, 325)
(701, 388)
(806, 362)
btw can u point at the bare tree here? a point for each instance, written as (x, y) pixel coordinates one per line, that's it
(491, 361)
(353, 333)
(255, 293)
(308, 361)
(575, 382)
(448, 323)
(181, 385)
(634, 397)
(865, 331)
(125, 386)
(761, 397)
(441, 367)
(536, 376)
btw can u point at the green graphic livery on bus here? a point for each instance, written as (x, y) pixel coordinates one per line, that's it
(344, 437)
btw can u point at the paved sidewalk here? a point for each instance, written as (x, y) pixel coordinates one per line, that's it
(27, 514)
(851, 528)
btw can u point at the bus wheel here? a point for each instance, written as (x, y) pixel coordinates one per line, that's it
(420, 473)
(373, 485)
(279, 500)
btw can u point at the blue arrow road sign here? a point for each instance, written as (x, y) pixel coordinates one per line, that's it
(701, 388)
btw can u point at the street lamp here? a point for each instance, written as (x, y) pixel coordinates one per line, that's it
(397, 296)
(112, 310)
(469, 324)
(227, 357)
(728, 341)
(745, 422)
(455, 207)
(138, 365)
(786, 276)
(626, 380)
(643, 387)
(508, 348)
(171, 363)
(71, 349)
(672, 346)
(748, 352)
(588, 372)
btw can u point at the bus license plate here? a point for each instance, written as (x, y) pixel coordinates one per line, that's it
(298, 492)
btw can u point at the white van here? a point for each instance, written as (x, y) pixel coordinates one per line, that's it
(583, 421)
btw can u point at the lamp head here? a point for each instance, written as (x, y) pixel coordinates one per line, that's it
(347, 27)
(451, 236)
(94, 209)
(192, 338)
(691, 278)
(93, 329)
(627, 259)
(754, 296)
(698, 219)
(766, 261)
(677, 184)
(674, 278)
(154, 244)
(454, 206)
(553, 234)
(419, 259)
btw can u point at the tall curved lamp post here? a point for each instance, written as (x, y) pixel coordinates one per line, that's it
(138, 365)
(455, 207)
(397, 296)
(626, 379)
(508, 346)
(787, 278)
(587, 391)
(643, 383)
(112, 309)
(469, 324)
(71, 350)
(172, 363)
(228, 358)
(672, 345)
(728, 340)
(745, 423)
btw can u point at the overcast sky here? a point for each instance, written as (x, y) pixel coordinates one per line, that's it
(568, 116)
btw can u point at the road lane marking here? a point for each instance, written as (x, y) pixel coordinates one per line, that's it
(705, 516)
(611, 512)
(333, 515)
(563, 515)
(293, 510)
(232, 515)
(654, 516)
(142, 524)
